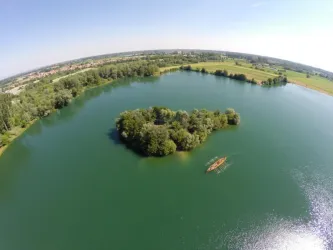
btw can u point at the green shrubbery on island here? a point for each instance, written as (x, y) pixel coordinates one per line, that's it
(159, 131)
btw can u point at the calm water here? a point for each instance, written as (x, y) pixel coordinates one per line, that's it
(68, 184)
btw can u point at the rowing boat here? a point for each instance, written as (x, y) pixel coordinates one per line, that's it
(216, 164)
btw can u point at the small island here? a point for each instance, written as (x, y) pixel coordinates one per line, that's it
(159, 131)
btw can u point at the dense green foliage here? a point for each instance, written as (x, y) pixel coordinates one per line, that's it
(203, 70)
(5, 112)
(221, 73)
(159, 131)
(5, 117)
(241, 77)
(188, 67)
(40, 99)
(275, 81)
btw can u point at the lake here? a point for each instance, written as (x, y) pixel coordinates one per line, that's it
(68, 183)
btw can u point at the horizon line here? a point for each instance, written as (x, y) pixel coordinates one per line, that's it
(132, 51)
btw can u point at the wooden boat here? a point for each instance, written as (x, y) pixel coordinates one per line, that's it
(216, 164)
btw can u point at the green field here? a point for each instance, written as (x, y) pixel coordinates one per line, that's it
(244, 68)
(314, 82)
(163, 69)
(77, 72)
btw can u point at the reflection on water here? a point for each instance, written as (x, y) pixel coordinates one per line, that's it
(131, 81)
(183, 155)
(315, 233)
(8, 175)
(71, 185)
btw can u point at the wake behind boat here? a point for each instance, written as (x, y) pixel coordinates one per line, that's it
(216, 164)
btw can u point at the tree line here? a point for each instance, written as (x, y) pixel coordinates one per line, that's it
(40, 99)
(159, 131)
(241, 77)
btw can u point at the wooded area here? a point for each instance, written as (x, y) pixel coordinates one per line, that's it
(159, 131)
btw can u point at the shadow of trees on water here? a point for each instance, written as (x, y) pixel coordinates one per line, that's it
(114, 137)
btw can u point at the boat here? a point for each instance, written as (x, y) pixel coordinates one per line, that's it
(216, 164)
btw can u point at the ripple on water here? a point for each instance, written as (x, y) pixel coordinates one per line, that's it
(295, 234)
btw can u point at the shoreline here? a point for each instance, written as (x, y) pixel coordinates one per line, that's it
(318, 89)
(22, 130)
(304, 85)
(19, 133)
(161, 72)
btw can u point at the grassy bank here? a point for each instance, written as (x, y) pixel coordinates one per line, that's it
(314, 82)
(230, 66)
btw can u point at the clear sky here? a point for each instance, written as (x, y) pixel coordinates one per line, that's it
(36, 33)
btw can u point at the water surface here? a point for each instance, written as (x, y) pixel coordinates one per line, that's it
(69, 184)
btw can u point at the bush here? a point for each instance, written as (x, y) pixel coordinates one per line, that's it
(188, 67)
(219, 72)
(203, 70)
(240, 77)
(4, 139)
(275, 81)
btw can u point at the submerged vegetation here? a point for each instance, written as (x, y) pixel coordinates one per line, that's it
(159, 131)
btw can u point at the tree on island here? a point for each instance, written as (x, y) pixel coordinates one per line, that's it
(159, 131)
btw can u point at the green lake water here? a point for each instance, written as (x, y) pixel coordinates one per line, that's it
(68, 184)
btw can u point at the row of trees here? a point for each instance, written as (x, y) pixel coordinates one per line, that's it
(159, 131)
(41, 98)
(5, 117)
(241, 77)
(275, 81)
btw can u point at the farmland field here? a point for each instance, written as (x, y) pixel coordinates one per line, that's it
(77, 72)
(314, 82)
(244, 68)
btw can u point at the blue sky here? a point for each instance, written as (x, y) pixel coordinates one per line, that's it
(37, 33)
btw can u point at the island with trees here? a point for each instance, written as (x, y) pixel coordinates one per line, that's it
(28, 97)
(160, 131)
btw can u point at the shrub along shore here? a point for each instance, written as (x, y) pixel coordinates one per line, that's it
(279, 80)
